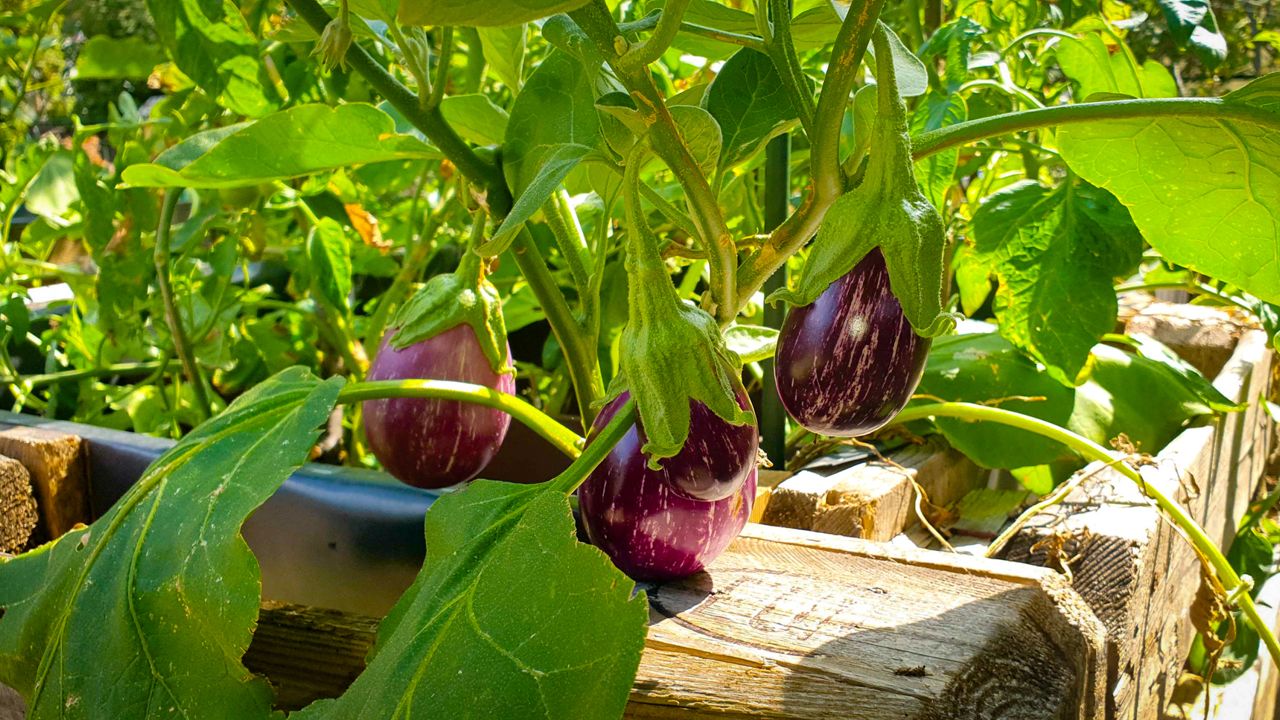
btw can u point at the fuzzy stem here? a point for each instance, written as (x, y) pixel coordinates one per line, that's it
(564, 439)
(599, 448)
(181, 344)
(1090, 450)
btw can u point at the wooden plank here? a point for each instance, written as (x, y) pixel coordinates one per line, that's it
(874, 500)
(1137, 574)
(56, 463)
(1203, 336)
(18, 514)
(792, 624)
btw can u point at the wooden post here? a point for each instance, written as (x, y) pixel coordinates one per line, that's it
(56, 463)
(798, 625)
(1138, 575)
(18, 514)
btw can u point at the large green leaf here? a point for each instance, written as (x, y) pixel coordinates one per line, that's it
(1098, 69)
(1205, 191)
(504, 52)
(147, 612)
(495, 13)
(329, 257)
(1055, 253)
(747, 99)
(107, 58)
(1144, 395)
(211, 42)
(476, 118)
(510, 617)
(290, 143)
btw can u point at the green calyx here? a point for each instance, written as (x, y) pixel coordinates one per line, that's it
(887, 210)
(335, 40)
(446, 301)
(672, 353)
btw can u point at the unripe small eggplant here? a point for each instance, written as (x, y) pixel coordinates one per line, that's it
(650, 529)
(848, 362)
(431, 443)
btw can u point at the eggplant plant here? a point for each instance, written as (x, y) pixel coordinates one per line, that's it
(446, 215)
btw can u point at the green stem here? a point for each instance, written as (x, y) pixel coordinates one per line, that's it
(411, 61)
(651, 21)
(1092, 451)
(181, 344)
(597, 450)
(422, 244)
(782, 52)
(936, 141)
(579, 350)
(134, 368)
(1192, 287)
(569, 240)
(664, 33)
(564, 439)
(443, 57)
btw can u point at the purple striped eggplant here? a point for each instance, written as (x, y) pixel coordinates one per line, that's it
(848, 362)
(649, 528)
(436, 443)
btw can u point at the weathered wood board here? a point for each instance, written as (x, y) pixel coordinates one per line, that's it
(18, 514)
(793, 624)
(1139, 575)
(874, 500)
(56, 463)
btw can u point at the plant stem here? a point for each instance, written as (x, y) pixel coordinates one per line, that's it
(827, 181)
(1090, 450)
(664, 33)
(444, 56)
(569, 240)
(597, 22)
(564, 439)
(181, 344)
(422, 243)
(935, 141)
(597, 450)
(579, 350)
(782, 51)
(134, 368)
(1192, 287)
(651, 21)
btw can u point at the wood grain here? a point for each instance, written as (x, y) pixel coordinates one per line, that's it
(56, 463)
(18, 514)
(1136, 573)
(791, 624)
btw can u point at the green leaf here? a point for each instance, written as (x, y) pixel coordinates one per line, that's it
(53, 193)
(557, 161)
(936, 173)
(556, 107)
(1091, 63)
(751, 343)
(298, 141)
(107, 58)
(1125, 393)
(1203, 191)
(495, 13)
(510, 617)
(211, 43)
(748, 101)
(1055, 253)
(147, 612)
(504, 51)
(1181, 370)
(329, 255)
(1192, 24)
(913, 78)
(476, 118)
(701, 134)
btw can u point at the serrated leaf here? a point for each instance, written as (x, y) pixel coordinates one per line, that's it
(503, 49)
(316, 137)
(495, 13)
(458, 644)
(749, 103)
(211, 43)
(1055, 253)
(1204, 191)
(329, 258)
(147, 612)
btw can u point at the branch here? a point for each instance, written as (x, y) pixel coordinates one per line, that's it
(181, 344)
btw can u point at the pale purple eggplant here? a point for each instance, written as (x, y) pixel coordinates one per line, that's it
(649, 529)
(430, 443)
(848, 362)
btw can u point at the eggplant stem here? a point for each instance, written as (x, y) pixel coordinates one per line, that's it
(564, 439)
(1090, 450)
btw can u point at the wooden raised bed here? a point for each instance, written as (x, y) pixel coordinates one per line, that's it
(790, 623)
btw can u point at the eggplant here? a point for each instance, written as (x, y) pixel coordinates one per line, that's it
(650, 529)
(847, 363)
(430, 443)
